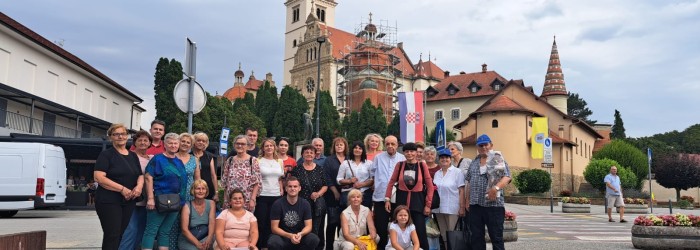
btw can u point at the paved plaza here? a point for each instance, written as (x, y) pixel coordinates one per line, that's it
(538, 228)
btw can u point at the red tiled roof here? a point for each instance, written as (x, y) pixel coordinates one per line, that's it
(253, 84)
(429, 70)
(462, 81)
(502, 103)
(470, 140)
(234, 93)
(41, 41)
(343, 44)
(605, 133)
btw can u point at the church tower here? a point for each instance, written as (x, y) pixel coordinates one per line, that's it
(554, 90)
(295, 26)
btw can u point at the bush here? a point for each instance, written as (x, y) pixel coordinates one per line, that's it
(533, 181)
(684, 204)
(634, 193)
(597, 169)
(688, 198)
(626, 155)
(565, 193)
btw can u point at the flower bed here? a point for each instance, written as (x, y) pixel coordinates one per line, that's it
(666, 232)
(635, 206)
(575, 205)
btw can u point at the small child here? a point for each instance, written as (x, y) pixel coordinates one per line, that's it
(402, 232)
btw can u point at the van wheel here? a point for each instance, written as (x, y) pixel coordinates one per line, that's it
(7, 214)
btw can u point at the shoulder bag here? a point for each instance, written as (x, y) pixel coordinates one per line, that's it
(436, 197)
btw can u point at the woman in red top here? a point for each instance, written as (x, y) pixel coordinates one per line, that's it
(283, 153)
(411, 175)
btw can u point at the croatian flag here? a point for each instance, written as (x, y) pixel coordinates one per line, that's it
(411, 116)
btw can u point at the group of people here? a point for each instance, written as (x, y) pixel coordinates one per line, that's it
(367, 193)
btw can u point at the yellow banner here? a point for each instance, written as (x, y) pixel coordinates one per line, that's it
(540, 131)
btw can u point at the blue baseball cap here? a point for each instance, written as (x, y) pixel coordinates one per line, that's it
(444, 152)
(483, 139)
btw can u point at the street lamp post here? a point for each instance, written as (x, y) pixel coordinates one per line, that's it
(320, 40)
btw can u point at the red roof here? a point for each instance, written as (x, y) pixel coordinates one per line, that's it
(41, 41)
(253, 84)
(502, 103)
(344, 42)
(234, 93)
(429, 70)
(605, 133)
(462, 81)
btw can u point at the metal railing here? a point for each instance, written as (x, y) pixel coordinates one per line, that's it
(21, 123)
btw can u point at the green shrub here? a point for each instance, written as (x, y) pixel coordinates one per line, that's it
(626, 155)
(533, 181)
(684, 204)
(597, 169)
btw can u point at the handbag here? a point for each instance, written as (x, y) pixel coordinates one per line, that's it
(333, 215)
(371, 244)
(436, 196)
(459, 238)
(166, 203)
(199, 231)
(320, 207)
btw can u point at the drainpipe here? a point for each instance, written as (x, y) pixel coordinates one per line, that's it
(572, 155)
(31, 118)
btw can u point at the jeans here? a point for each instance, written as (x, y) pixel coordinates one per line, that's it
(276, 242)
(491, 217)
(131, 239)
(160, 224)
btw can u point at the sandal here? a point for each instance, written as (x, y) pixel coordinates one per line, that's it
(623, 221)
(611, 220)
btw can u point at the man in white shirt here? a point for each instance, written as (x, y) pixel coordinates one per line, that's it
(613, 194)
(381, 170)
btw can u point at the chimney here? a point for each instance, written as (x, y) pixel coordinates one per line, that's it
(268, 77)
(447, 74)
(400, 45)
(483, 68)
(462, 73)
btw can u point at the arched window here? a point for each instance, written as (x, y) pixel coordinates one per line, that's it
(294, 43)
(494, 123)
(308, 55)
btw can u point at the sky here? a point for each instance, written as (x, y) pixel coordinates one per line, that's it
(639, 57)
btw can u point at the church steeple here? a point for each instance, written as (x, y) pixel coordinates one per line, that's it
(554, 80)
(554, 90)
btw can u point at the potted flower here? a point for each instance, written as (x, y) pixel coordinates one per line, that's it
(635, 206)
(510, 228)
(677, 231)
(575, 205)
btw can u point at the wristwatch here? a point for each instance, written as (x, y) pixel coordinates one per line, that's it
(497, 188)
(387, 199)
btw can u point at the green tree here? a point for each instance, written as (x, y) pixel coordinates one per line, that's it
(691, 139)
(168, 73)
(618, 128)
(597, 169)
(659, 149)
(220, 111)
(266, 104)
(578, 107)
(372, 119)
(679, 172)
(627, 155)
(244, 118)
(352, 127)
(533, 181)
(247, 100)
(431, 137)
(394, 127)
(289, 121)
(329, 120)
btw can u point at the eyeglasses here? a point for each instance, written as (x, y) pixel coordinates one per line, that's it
(120, 134)
(241, 144)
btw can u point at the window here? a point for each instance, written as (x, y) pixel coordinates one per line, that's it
(497, 87)
(455, 114)
(474, 89)
(294, 43)
(494, 123)
(321, 14)
(438, 115)
(295, 14)
(451, 91)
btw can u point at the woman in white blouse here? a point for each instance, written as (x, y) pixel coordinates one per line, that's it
(354, 173)
(450, 185)
(271, 171)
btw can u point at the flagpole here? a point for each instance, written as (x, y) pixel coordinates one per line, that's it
(651, 200)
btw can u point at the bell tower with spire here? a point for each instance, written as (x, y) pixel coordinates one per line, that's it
(295, 26)
(554, 90)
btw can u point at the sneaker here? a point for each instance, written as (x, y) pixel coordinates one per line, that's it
(623, 221)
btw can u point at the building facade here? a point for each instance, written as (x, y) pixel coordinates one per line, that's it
(47, 91)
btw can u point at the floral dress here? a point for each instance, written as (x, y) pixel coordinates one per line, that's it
(240, 174)
(190, 167)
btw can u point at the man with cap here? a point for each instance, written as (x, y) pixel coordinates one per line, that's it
(485, 203)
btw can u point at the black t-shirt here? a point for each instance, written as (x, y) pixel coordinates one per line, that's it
(291, 217)
(122, 169)
(253, 152)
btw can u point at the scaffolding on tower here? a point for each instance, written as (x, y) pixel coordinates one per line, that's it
(370, 69)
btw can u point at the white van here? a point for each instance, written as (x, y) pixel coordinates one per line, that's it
(32, 175)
